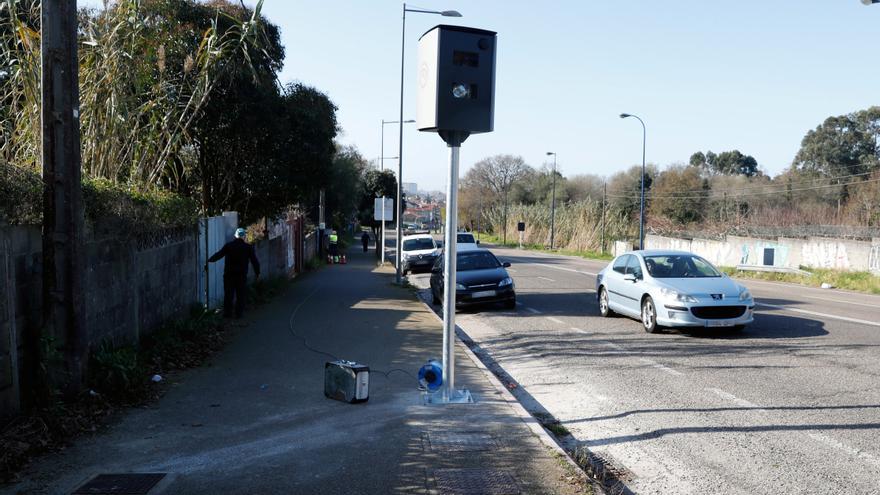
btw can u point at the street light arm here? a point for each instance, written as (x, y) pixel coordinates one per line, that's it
(444, 13)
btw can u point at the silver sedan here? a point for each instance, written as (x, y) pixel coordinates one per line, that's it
(672, 289)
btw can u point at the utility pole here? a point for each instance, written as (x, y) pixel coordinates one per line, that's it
(63, 307)
(604, 196)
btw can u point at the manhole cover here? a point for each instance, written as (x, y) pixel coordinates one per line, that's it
(120, 484)
(462, 441)
(475, 482)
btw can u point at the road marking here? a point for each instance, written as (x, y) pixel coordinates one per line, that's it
(555, 320)
(566, 269)
(511, 270)
(547, 279)
(819, 437)
(831, 442)
(661, 367)
(736, 400)
(580, 330)
(842, 301)
(825, 315)
(519, 303)
(533, 311)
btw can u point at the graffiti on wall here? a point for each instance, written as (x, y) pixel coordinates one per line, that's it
(825, 255)
(764, 253)
(874, 259)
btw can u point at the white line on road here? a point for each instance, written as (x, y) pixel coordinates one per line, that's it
(824, 315)
(841, 301)
(547, 279)
(819, 437)
(732, 398)
(511, 270)
(580, 330)
(533, 311)
(661, 367)
(582, 272)
(555, 320)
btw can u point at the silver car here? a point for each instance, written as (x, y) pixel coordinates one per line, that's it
(672, 289)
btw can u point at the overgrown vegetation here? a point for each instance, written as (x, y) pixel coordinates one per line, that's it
(847, 280)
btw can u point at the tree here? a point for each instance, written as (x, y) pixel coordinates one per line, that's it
(624, 189)
(498, 174)
(375, 185)
(842, 145)
(680, 194)
(584, 187)
(725, 163)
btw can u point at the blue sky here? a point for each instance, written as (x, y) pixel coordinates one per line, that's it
(753, 75)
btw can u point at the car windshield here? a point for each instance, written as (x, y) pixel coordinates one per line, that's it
(465, 238)
(476, 260)
(679, 266)
(418, 244)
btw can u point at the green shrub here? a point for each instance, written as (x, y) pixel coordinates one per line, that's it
(21, 195)
(117, 372)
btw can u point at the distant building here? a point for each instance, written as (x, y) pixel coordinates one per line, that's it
(410, 188)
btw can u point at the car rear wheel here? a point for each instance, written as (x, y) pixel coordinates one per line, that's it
(604, 309)
(510, 303)
(649, 315)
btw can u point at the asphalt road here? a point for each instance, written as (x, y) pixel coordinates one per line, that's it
(789, 405)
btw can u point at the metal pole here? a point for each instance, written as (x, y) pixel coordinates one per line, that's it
(63, 307)
(449, 271)
(382, 169)
(553, 206)
(642, 208)
(604, 195)
(400, 149)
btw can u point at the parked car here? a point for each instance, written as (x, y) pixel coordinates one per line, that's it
(465, 240)
(418, 252)
(480, 279)
(672, 289)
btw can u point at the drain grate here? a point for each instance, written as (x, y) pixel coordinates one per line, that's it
(120, 484)
(462, 441)
(475, 482)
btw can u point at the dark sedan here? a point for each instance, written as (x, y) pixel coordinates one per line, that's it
(480, 278)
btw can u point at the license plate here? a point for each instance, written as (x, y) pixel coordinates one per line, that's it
(484, 293)
(719, 323)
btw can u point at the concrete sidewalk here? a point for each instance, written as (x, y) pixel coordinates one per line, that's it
(256, 421)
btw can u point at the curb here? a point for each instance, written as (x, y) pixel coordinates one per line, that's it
(520, 411)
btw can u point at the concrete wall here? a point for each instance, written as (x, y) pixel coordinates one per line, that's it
(132, 286)
(813, 252)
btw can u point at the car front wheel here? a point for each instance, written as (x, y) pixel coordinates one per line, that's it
(649, 315)
(604, 309)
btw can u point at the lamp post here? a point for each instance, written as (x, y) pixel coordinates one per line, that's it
(444, 13)
(642, 206)
(553, 203)
(869, 2)
(382, 159)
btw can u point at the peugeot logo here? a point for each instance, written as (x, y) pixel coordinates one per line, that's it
(717, 297)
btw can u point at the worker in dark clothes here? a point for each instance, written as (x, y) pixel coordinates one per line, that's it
(365, 240)
(237, 253)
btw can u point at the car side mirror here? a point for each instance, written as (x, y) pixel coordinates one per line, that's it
(478, 242)
(506, 264)
(630, 277)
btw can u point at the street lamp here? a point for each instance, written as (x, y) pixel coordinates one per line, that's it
(382, 159)
(642, 207)
(444, 13)
(553, 202)
(869, 2)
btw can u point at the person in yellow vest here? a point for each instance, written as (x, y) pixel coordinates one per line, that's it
(334, 244)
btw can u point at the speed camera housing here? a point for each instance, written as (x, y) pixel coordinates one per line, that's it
(456, 80)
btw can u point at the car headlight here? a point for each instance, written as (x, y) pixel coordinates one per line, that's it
(504, 283)
(460, 287)
(745, 295)
(677, 296)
